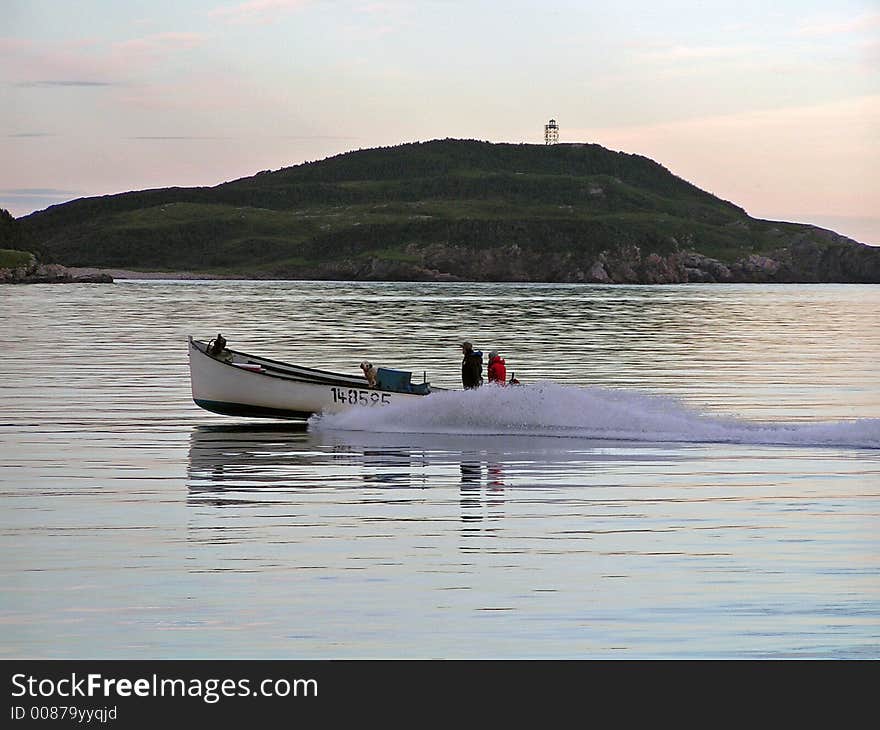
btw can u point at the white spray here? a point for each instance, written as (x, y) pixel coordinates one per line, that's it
(551, 409)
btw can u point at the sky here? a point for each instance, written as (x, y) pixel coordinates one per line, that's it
(772, 106)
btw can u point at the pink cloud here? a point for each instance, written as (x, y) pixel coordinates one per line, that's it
(26, 62)
(162, 42)
(203, 93)
(15, 45)
(689, 53)
(256, 10)
(379, 7)
(83, 62)
(871, 54)
(837, 26)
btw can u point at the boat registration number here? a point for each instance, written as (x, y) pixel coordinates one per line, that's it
(355, 397)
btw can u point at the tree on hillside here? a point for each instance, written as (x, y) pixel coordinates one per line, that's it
(11, 233)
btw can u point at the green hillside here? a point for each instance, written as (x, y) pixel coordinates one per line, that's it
(13, 259)
(458, 208)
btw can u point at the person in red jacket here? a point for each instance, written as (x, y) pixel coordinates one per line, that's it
(497, 371)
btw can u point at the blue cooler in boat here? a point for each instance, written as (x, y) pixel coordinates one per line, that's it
(399, 381)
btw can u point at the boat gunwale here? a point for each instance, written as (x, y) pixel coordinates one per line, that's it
(314, 376)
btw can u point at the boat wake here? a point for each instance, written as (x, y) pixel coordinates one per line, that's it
(552, 409)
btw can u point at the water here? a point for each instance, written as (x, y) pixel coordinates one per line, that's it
(686, 472)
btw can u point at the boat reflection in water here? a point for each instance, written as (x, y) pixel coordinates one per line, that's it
(268, 461)
(285, 465)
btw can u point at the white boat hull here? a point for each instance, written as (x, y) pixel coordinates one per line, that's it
(246, 385)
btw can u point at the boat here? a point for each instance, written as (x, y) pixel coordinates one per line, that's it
(234, 383)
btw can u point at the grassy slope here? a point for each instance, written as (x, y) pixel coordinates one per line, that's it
(376, 202)
(10, 259)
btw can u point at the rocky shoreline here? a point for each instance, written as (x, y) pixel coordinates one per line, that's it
(807, 261)
(35, 273)
(129, 274)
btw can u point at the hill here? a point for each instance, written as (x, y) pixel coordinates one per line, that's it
(449, 209)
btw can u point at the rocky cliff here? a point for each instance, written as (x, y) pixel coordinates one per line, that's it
(805, 261)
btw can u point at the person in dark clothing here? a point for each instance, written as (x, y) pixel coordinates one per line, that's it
(496, 372)
(471, 366)
(217, 349)
(217, 345)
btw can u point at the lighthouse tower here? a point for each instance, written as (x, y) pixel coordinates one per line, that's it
(551, 132)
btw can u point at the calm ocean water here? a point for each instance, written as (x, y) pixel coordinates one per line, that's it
(688, 472)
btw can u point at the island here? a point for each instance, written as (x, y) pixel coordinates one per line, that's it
(447, 210)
